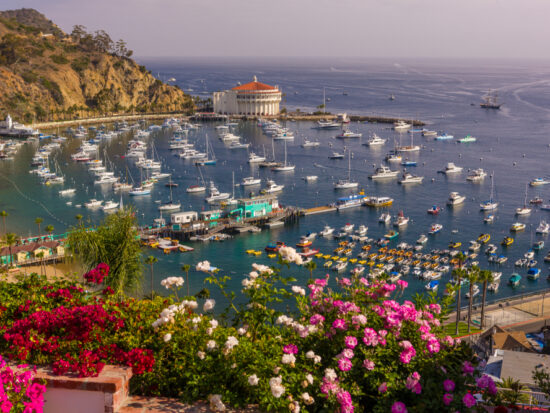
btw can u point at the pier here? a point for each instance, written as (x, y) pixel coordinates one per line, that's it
(319, 210)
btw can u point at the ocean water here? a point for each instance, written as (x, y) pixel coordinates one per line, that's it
(513, 143)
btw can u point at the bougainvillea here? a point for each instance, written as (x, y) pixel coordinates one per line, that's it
(19, 390)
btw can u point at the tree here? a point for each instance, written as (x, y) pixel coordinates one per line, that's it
(515, 392)
(11, 239)
(310, 266)
(78, 32)
(4, 214)
(185, 268)
(38, 221)
(115, 242)
(40, 255)
(103, 41)
(49, 230)
(472, 277)
(151, 261)
(486, 277)
(542, 379)
(458, 275)
(78, 218)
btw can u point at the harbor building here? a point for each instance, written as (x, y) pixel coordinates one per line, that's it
(253, 98)
(255, 207)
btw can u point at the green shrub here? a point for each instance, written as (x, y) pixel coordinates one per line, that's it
(59, 59)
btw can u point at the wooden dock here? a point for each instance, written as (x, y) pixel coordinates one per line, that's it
(319, 210)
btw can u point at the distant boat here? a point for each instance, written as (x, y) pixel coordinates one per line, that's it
(490, 101)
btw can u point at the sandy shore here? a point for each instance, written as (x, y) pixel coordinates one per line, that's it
(58, 272)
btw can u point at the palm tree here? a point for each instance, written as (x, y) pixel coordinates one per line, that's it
(41, 256)
(4, 214)
(11, 240)
(458, 275)
(49, 230)
(38, 221)
(486, 277)
(151, 261)
(472, 275)
(78, 217)
(186, 268)
(311, 267)
(515, 391)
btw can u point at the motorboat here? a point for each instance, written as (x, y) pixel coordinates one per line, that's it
(444, 137)
(435, 228)
(327, 231)
(434, 210)
(410, 179)
(507, 241)
(195, 188)
(362, 230)
(484, 238)
(140, 191)
(238, 145)
(253, 158)
(93, 203)
(543, 228)
(348, 134)
(326, 124)
(493, 287)
(517, 226)
(451, 168)
(122, 186)
(348, 228)
(401, 126)
(351, 201)
(536, 200)
(467, 139)
(391, 235)
(106, 179)
(489, 219)
(476, 175)
(475, 291)
(110, 205)
(250, 180)
(393, 157)
(539, 181)
(455, 199)
(406, 162)
(429, 133)
(310, 144)
(383, 172)
(272, 187)
(378, 201)
(474, 246)
(68, 191)
(422, 239)
(336, 155)
(514, 280)
(533, 273)
(375, 140)
(310, 178)
(384, 218)
(401, 220)
(215, 195)
(340, 266)
(432, 285)
(539, 245)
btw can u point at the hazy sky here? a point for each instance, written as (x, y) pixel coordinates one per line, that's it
(363, 28)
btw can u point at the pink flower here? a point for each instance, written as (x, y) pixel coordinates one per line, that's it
(316, 319)
(344, 364)
(368, 364)
(469, 400)
(399, 407)
(6, 406)
(345, 281)
(346, 404)
(447, 399)
(383, 388)
(433, 345)
(320, 282)
(448, 385)
(402, 284)
(290, 349)
(339, 324)
(350, 341)
(467, 368)
(371, 337)
(408, 353)
(347, 353)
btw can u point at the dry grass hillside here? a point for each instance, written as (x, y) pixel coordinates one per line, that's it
(46, 74)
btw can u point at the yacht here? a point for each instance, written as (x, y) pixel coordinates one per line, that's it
(327, 231)
(422, 239)
(543, 228)
(451, 168)
(106, 179)
(394, 157)
(411, 179)
(250, 180)
(349, 134)
(272, 187)
(139, 191)
(253, 158)
(310, 178)
(401, 220)
(195, 188)
(215, 195)
(93, 203)
(401, 125)
(109, 205)
(383, 172)
(68, 191)
(384, 218)
(336, 155)
(476, 175)
(375, 141)
(351, 201)
(539, 181)
(170, 206)
(238, 145)
(310, 144)
(327, 124)
(378, 201)
(455, 199)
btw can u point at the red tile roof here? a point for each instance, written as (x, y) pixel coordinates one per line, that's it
(253, 86)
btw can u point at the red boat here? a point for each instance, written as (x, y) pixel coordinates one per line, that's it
(434, 210)
(537, 200)
(274, 247)
(306, 252)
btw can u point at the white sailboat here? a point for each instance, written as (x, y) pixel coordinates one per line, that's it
(524, 210)
(490, 204)
(197, 188)
(285, 166)
(210, 158)
(347, 183)
(170, 205)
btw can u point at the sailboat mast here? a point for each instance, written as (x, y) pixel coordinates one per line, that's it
(349, 165)
(324, 101)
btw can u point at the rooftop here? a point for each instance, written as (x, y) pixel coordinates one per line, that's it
(516, 364)
(254, 86)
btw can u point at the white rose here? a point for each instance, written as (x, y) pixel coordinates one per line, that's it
(209, 305)
(253, 380)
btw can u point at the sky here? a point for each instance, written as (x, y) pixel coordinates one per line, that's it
(510, 29)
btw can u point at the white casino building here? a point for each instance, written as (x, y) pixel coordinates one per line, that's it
(254, 98)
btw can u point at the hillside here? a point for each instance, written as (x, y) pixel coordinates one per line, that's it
(46, 74)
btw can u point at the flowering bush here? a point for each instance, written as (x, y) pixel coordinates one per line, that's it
(19, 391)
(350, 345)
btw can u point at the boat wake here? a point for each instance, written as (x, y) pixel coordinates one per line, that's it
(317, 165)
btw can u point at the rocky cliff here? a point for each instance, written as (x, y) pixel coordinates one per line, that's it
(46, 74)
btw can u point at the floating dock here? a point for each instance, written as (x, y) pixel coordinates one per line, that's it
(319, 210)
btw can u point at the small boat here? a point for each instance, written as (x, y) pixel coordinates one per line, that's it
(493, 287)
(434, 210)
(348, 227)
(455, 245)
(391, 235)
(455, 199)
(536, 200)
(533, 273)
(310, 178)
(475, 291)
(484, 238)
(489, 219)
(250, 180)
(383, 172)
(109, 205)
(467, 139)
(348, 134)
(341, 266)
(310, 144)
(476, 175)
(384, 218)
(375, 141)
(362, 230)
(514, 280)
(517, 226)
(171, 184)
(422, 239)
(304, 242)
(444, 137)
(435, 228)
(393, 157)
(68, 191)
(381, 201)
(543, 228)
(408, 163)
(539, 181)
(411, 179)
(336, 155)
(195, 189)
(432, 285)
(507, 241)
(451, 168)
(537, 246)
(274, 247)
(93, 203)
(327, 231)
(401, 220)
(429, 133)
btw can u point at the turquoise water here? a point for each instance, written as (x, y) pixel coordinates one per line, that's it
(512, 142)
